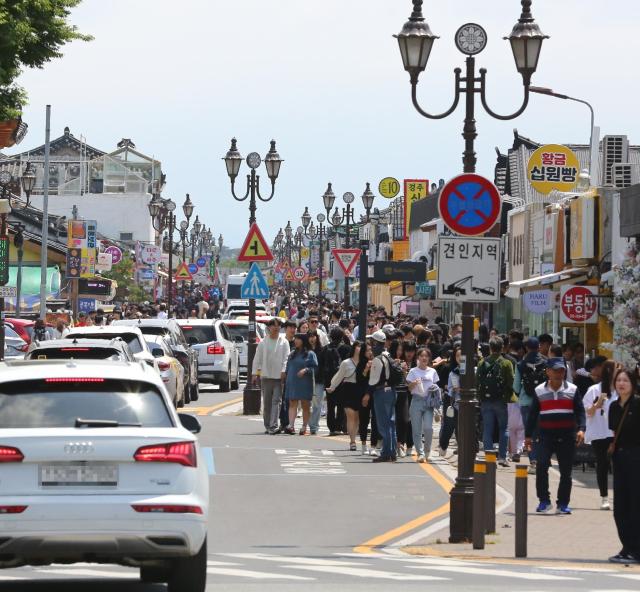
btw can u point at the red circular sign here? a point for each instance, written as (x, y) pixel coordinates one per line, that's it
(300, 274)
(578, 304)
(469, 204)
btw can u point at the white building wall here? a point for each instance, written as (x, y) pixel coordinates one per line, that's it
(115, 214)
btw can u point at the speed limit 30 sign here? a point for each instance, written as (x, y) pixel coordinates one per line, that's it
(300, 274)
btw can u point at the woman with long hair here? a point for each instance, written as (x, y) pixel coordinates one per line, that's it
(402, 400)
(367, 412)
(597, 401)
(300, 381)
(318, 390)
(347, 378)
(423, 384)
(624, 421)
(451, 402)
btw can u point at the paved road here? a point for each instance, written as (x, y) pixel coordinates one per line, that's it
(288, 512)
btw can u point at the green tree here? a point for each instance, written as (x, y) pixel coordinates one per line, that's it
(124, 274)
(32, 33)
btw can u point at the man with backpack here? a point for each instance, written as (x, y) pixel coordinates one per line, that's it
(495, 389)
(330, 360)
(384, 376)
(531, 372)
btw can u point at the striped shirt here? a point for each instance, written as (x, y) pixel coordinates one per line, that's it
(556, 410)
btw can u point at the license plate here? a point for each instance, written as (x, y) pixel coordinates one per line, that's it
(79, 475)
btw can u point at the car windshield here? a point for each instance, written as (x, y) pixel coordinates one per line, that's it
(58, 402)
(77, 352)
(199, 333)
(239, 330)
(131, 339)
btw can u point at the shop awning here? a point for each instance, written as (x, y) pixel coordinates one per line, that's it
(548, 280)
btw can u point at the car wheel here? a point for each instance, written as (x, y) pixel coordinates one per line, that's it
(189, 574)
(225, 386)
(194, 391)
(235, 384)
(154, 575)
(186, 396)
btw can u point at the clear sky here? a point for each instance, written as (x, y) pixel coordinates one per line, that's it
(325, 79)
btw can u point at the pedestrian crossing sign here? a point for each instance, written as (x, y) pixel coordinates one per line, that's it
(255, 248)
(255, 285)
(182, 273)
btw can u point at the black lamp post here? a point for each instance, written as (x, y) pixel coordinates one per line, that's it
(18, 243)
(163, 218)
(416, 41)
(336, 220)
(272, 162)
(367, 202)
(312, 232)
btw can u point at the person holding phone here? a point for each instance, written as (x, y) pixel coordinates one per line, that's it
(597, 401)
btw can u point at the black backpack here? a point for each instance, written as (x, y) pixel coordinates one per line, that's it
(491, 385)
(532, 375)
(330, 363)
(395, 375)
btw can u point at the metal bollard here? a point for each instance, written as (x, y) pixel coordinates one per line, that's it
(490, 492)
(477, 532)
(521, 510)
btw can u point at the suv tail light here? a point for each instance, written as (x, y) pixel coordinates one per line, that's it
(182, 453)
(164, 366)
(215, 349)
(13, 509)
(10, 454)
(167, 509)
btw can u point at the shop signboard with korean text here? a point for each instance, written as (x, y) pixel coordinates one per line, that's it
(538, 301)
(82, 240)
(579, 304)
(469, 269)
(553, 167)
(414, 190)
(4, 260)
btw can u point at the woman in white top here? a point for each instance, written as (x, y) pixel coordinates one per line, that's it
(423, 385)
(596, 403)
(350, 394)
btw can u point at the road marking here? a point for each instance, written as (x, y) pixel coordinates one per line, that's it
(210, 410)
(627, 576)
(500, 573)
(365, 573)
(298, 560)
(309, 462)
(255, 575)
(207, 454)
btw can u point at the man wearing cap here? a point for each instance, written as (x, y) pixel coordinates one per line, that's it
(384, 397)
(562, 426)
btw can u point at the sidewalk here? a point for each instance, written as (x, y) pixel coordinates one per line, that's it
(587, 536)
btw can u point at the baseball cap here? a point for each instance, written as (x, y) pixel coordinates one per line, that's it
(532, 343)
(556, 364)
(379, 336)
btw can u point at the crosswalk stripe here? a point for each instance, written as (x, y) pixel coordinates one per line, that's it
(365, 573)
(298, 560)
(627, 576)
(255, 575)
(500, 573)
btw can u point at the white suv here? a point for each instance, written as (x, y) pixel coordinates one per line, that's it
(218, 353)
(98, 467)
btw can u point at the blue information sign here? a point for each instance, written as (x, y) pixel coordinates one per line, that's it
(255, 285)
(201, 262)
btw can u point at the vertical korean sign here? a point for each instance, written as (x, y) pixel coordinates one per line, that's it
(414, 190)
(4, 260)
(82, 248)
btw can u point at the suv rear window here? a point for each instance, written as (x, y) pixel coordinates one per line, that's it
(201, 333)
(55, 403)
(241, 330)
(77, 352)
(151, 330)
(131, 339)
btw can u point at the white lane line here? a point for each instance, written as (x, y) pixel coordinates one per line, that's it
(409, 559)
(298, 560)
(328, 453)
(627, 576)
(4, 578)
(280, 451)
(304, 451)
(365, 573)
(255, 575)
(220, 563)
(499, 573)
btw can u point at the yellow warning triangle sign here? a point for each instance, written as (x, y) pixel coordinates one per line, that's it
(288, 277)
(255, 248)
(182, 273)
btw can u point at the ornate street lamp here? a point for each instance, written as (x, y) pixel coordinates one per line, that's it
(415, 42)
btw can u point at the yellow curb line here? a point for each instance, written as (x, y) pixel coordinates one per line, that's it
(209, 410)
(370, 545)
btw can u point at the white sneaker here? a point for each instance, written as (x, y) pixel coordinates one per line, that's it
(604, 504)
(442, 452)
(402, 452)
(365, 449)
(422, 458)
(375, 452)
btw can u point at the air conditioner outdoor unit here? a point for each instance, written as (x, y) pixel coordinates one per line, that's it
(615, 150)
(625, 175)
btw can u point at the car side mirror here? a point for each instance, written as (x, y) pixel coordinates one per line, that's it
(190, 422)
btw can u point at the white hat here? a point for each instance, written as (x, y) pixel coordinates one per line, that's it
(388, 327)
(379, 335)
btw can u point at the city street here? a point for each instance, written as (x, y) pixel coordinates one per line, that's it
(288, 511)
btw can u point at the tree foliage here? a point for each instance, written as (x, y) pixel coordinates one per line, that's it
(32, 33)
(124, 273)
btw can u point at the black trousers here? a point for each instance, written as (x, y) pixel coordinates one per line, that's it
(368, 414)
(403, 420)
(562, 444)
(626, 497)
(336, 418)
(600, 448)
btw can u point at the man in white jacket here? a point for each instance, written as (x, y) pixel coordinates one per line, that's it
(270, 363)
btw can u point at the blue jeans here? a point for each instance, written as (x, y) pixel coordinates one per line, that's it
(421, 424)
(533, 453)
(384, 401)
(318, 398)
(495, 411)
